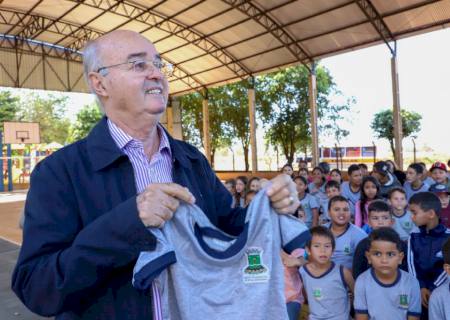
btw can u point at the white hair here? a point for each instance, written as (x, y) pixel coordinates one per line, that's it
(91, 63)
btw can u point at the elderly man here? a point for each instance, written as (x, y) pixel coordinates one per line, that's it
(90, 204)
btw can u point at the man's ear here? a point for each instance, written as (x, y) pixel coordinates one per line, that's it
(97, 84)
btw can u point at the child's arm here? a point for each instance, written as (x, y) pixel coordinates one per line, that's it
(348, 278)
(315, 217)
(362, 317)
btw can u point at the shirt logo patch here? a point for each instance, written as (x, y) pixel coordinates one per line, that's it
(403, 301)
(407, 225)
(347, 249)
(255, 271)
(317, 293)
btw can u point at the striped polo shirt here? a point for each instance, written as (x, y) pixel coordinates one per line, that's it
(158, 169)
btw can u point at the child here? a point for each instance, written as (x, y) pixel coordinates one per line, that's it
(347, 235)
(254, 184)
(414, 182)
(402, 217)
(380, 216)
(303, 172)
(424, 247)
(332, 188)
(370, 190)
(249, 195)
(426, 178)
(325, 283)
(317, 186)
(384, 291)
(336, 175)
(443, 194)
(364, 169)
(351, 189)
(307, 201)
(439, 174)
(292, 283)
(439, 300)
(239, 195)
(386, 178)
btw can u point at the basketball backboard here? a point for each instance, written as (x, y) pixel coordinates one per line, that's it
(21, 132)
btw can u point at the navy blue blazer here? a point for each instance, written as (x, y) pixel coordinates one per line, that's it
(82, 233)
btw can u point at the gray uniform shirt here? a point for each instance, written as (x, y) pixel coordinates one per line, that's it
(352, 197)
(395, 301)
(346, 245)
(404, 225)
(327, 294)
(218, 276)
(410, 191)
(308, 203)
(439, 305)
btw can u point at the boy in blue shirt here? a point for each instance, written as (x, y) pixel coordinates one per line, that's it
(332, 188)
(384, 291)
(414, 180)
(439, 306)
(351, 189)
(425, 260)
(403, 223)
(347, 235)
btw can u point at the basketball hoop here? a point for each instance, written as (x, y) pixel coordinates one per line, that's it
(21, 132)
(22, 135)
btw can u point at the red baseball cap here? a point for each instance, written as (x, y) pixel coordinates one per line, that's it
(438, 165)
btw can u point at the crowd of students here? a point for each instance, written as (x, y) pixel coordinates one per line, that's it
(380, 241)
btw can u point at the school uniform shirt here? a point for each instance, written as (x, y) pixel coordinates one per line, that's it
(387, 301)
(410, 191)
(404, 225)
(324, 217)
(346, 244)
(425, 258)
(327, 294)
(209, 274)
(429, 181)
(308, 203)
(352, 197)
(392, 183)
(439, 304)
(319, 192)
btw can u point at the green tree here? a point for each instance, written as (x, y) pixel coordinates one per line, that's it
(383, 125)
(283, 102)
(192, 122)
(87, 117)
(9, 106)
(49, 112)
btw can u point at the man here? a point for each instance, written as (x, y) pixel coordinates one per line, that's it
(89, 204)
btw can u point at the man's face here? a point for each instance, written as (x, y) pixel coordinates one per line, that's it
(340, 213)
(356, 178)
(332, 191)
(439, 175)
(132, 94)
(398, 200)
(384, 257)
(412, 175)
(378, 219)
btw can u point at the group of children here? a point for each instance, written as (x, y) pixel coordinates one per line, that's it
(378, 249)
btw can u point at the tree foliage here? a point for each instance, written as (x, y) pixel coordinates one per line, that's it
(283, 103)
(9, 106)
(383, 125)
(49, 112)
(87, 117)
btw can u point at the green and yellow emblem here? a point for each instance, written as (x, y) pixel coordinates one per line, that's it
(255, 271)
(403, 301)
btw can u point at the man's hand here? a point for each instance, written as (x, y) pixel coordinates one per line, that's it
(157, 203)
(425, 293)
(283, 194)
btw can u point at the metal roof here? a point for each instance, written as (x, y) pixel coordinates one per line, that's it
(210, 42)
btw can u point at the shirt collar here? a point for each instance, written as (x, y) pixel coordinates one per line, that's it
(124, 140)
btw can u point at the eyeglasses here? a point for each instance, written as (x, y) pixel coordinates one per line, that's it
(144, 65)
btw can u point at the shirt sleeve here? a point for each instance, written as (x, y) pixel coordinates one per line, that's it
(313, 202)
(415, 307)
(435, 307)
(294, 233)
(360, 303)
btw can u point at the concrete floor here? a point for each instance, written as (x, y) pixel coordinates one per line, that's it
(11, 205)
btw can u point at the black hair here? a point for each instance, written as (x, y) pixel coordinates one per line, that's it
(446, 251)
(300, 208)
(231, 181)
(395, 189)
(325, 167)
(332, 184)
(239, 195)
(247, 186)
(417, 167)
(378, 206)
(303, 169)
(363, 165)
(334, 199)
(353, 168)
(386, 234)
(322, 232)
(426, 201)
(364, 199)
(303, 179)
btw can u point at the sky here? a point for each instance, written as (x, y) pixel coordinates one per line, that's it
(424, 71)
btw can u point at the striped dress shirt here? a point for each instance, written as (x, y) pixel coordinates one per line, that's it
(158, 169)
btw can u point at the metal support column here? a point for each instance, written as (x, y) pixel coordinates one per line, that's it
(2, 186)
(398, 127)
(252, 117)
(10, 173)
(206, 138)
(313, 108)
